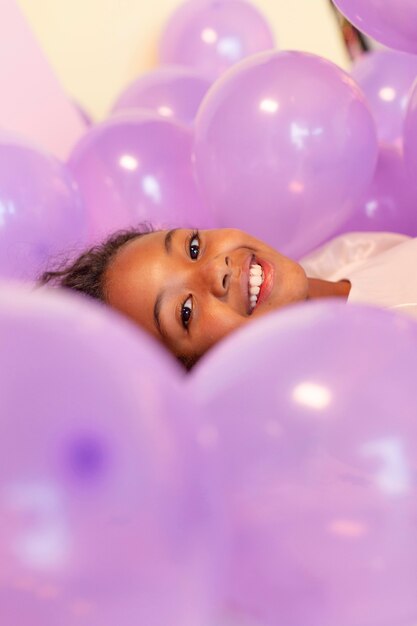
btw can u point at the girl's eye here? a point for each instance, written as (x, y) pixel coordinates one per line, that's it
(195, 245)
(186, 311)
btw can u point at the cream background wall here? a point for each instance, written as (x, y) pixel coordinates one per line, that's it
(98, 46)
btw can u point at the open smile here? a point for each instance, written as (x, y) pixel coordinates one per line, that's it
(257, 282)
(265, 285)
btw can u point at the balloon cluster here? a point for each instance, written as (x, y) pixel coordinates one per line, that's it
(227, 132)
(276, 484)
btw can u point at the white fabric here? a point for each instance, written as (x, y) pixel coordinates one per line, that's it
(381, 267)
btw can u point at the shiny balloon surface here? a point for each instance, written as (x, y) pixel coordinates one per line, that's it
(173, 92)
(212, 35)
(42, 214)
(285, 144)
(102, 508)
(136, 167)
(312, 428)
(391, 22)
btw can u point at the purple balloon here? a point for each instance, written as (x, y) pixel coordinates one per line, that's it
(172, 92)
(41, 211)
(390, 202)
(285, 145)
(136, 167)
(386, 77)
(392, 22)
(410, 138)
(312, 428)
(103, 507)
(212, 35)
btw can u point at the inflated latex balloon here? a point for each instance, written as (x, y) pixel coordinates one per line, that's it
(312, 427)
(410, 138)
(102, 508)
(213, 35)
(136, 167)
(386, 77)
(285, 144)
(390, 202)
(173, 92)
(41, 211)
(392, 22)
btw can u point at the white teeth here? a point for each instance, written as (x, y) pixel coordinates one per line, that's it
(256, 278)
(255, 270)
(255, 281)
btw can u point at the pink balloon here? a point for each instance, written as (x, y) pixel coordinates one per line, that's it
(41, 210)
(390, 202)
(386, 77)
(212, 35)
(392, 22)
(311, 427)
(136, 167)
(173, 92)
(33, 102)
(285, 145)
(104, 512)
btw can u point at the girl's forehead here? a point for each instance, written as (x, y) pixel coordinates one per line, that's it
(149, 242)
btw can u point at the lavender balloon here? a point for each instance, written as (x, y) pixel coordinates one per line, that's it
(312, 428)
(103, 511)
(136, 167)
(173, 92)
(410, 138)
(212, 35)
(386, 77)
(285, 145)
(390, 202)
(41, 211)
(392, 22)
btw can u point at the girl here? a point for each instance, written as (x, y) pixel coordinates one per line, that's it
(190, 288)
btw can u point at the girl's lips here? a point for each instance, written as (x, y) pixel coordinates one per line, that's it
(268, 283)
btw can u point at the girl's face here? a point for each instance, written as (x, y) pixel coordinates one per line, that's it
(191, 288)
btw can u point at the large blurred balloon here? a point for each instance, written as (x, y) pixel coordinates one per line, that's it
(213, 35)
(173, 92)
(104, 518)
(136, 167)
(285, 145)
(390, 202)
(410, 138)
(392, 22)
(312, 427)
(386, 77)
(41, 212)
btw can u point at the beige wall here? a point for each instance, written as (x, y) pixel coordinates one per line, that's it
(98, 46)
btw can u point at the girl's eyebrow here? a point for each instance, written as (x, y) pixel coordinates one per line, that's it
(156, 314)
(160, 297)
(168, 240)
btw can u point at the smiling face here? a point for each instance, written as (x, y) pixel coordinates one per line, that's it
(191, 288)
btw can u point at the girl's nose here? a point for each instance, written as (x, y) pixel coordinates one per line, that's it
(216, 274)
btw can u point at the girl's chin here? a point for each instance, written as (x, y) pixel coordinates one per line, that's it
(263, 308)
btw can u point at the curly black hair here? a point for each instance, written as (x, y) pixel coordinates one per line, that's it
(86, 274)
